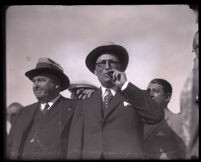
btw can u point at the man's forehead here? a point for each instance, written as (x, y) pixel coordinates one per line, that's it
(155, 86)
(108, 56)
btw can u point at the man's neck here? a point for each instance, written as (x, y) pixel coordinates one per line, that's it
(51, 99)
(113, 87)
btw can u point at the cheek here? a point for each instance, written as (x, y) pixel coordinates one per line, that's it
(160, 98)
(51, 87)
(118, 68)
(157, 97)
(98, 73)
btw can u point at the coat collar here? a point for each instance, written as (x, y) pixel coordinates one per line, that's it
(67, 109)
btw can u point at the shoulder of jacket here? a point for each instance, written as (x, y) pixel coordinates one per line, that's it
(27, 107)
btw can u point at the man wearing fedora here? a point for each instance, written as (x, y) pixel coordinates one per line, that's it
(41, 130)
(109, 124)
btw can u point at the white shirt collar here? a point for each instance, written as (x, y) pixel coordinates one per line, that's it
(42, 105)
(103, 91)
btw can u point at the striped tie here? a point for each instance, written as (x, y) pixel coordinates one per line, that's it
(108, 96)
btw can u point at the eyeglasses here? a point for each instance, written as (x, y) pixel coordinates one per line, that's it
(103, 64)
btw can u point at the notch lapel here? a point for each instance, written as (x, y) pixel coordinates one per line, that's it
(116, 100)
(67, 109)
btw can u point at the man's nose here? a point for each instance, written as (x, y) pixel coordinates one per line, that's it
(151, 94)
(107, 65)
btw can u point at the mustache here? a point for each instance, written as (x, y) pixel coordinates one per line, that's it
(37, 88)
(109, 73)
(113, 79)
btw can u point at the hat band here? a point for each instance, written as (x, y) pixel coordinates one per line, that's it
(46, 65)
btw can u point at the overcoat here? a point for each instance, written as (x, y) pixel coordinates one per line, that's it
(20, 129)
(118, 134)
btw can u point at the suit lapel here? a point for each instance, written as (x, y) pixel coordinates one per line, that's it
(67, 109)
(116, 100)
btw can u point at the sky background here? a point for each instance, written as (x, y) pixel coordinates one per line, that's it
(158, 39)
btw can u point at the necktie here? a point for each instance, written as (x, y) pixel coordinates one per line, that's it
(108, 96)
(46, 108)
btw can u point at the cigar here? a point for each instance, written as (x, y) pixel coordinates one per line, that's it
(110, 73)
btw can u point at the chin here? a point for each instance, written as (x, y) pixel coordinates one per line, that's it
(40, 98)
(107, 84)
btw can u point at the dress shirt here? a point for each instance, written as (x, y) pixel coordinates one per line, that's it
(42, 105)
(112, 91)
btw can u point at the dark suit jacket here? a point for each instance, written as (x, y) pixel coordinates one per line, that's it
(162, 140)
(119, 133)
(19, 130)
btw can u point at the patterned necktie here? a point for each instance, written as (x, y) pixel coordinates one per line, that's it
(46, 108)
(108, 96)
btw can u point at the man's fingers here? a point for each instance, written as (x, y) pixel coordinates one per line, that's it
(80, 96)
(79, 91)
(84, 96)
(116, 76)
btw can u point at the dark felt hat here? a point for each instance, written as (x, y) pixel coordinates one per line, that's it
(116, 50)
(48, 66)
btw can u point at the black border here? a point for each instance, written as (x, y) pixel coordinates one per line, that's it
(6, 3)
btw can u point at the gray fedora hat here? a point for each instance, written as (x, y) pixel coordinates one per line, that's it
(48, 66)
(114, 49)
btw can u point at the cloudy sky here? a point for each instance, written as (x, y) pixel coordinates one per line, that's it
(158, 39)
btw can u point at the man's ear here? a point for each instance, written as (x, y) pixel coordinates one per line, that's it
(57, 86)
(168, 96)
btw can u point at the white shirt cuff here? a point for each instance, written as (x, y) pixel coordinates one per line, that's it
(124, 86)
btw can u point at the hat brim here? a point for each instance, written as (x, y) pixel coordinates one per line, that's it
(116, 50)
(61, 76)
(78, 86)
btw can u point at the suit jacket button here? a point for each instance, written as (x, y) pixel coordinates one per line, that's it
(69, 109)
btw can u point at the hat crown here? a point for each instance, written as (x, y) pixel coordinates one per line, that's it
(48, 63)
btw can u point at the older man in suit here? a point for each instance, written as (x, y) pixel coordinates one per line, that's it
(41, 130)
(109, 124)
